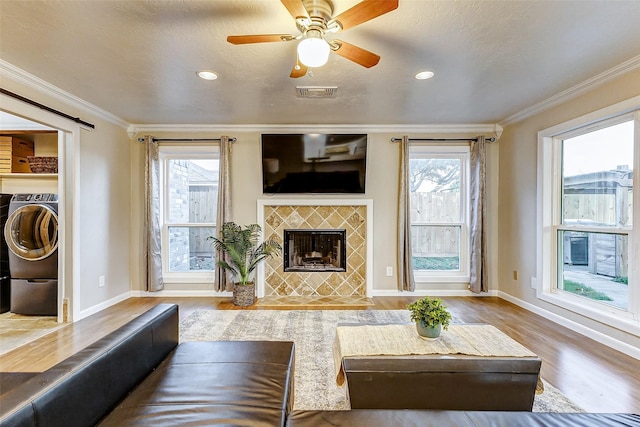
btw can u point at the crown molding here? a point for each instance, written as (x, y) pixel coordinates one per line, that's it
(574, 91)
(490, 129)
(16, 74)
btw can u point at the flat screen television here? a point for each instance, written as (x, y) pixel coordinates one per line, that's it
(314, 163)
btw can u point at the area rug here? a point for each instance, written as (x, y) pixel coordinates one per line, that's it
(313, 332)
(17, 330)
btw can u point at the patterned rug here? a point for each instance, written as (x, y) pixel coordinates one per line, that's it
(313, 332)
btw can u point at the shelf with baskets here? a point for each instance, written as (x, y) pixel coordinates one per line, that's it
(18, 156)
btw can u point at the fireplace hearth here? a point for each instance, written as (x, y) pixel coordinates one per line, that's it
(314, 250)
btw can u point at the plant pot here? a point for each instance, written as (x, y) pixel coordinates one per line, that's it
(244, 295)
(428, 332)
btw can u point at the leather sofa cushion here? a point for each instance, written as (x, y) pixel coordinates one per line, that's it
(232, 382)
(433, 418)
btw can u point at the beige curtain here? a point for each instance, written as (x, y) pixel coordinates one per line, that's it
(152, 243)
(478, 265)
(222, 283)
(405, 265)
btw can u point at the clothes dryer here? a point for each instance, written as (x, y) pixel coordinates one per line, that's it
(31, 233)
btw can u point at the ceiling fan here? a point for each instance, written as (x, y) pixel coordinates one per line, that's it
(314, 20)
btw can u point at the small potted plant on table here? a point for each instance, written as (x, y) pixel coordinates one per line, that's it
(431, 317)
(242, 254)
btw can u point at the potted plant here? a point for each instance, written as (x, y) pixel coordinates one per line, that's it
(242, 254)
(431, 317)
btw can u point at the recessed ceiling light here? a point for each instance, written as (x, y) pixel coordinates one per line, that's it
(207, 75)
(423, 75)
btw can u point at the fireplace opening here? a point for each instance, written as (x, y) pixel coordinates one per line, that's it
(315, 250)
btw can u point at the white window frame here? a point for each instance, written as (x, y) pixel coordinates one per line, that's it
(177, 152)
(549, 205)
(462, 152)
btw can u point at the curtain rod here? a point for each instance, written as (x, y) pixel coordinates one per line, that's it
(490, 139)
(44, 107)
(143, 139)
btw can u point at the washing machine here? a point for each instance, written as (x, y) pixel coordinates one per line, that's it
(31, 233)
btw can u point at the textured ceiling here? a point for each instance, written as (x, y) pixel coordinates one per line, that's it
(492, 59)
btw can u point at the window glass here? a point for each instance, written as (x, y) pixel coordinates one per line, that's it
(594, 267)
(597, 192)
(597, 177)
(190, 205)
(189, 249)
(437, 210)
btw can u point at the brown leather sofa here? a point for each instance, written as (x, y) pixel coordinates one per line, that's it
(139, 375)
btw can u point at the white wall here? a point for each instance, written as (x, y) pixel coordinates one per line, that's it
(97, 180)
(381, 187)
(518, 192)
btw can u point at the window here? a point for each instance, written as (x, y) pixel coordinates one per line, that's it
(586, 174)
(189, 206)
(439, 212)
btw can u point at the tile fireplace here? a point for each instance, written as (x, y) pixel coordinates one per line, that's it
(327, 247)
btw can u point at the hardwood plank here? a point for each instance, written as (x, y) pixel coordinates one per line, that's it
(596, 377)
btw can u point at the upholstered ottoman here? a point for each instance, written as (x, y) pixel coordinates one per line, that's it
(471, 367)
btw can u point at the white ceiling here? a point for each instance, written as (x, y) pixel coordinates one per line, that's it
(492, 59)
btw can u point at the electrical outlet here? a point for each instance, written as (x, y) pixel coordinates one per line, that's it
(515, 274)
(389, 271)
(101, 281)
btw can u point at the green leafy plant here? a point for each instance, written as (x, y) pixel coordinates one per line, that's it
(430, 311)
(242, 251)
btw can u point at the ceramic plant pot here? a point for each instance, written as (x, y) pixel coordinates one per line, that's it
(244, 295)
(427, 332)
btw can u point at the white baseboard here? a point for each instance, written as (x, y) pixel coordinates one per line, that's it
(435, 293)
(178, 293)
(105, 304)
(574, 326)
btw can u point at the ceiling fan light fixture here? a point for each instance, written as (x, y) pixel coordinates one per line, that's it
(313, 51)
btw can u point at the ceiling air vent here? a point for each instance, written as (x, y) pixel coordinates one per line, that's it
(316, 91)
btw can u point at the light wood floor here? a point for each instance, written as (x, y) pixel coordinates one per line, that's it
(594, 376)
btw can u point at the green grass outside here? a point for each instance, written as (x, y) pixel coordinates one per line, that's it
(624, 280)
(436, 263)
(585, 291)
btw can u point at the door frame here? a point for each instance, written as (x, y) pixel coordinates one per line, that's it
(68, 206)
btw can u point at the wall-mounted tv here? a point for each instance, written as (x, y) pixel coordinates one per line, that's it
(314, 163)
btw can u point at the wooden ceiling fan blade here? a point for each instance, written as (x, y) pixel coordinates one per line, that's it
(356, 54)
(364, 11)
(299, 70)
(259, 38)
(295, 8)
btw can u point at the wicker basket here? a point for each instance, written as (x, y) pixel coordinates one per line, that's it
(43, 164)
